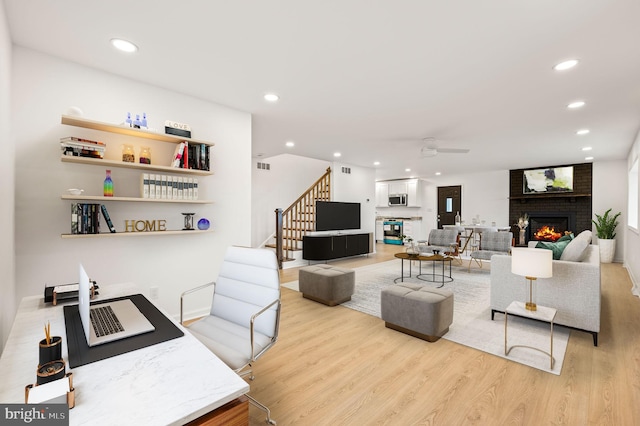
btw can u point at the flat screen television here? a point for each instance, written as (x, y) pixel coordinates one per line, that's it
(336, 216)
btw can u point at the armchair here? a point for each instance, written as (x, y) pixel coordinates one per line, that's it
(245, 311)
(498, 242)
(445, 240)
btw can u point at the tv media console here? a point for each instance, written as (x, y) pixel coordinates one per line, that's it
(335, 246)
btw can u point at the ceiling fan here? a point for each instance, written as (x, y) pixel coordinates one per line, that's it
(430, 149)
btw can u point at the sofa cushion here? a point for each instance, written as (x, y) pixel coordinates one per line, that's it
(576, 250)
(586, 235)
(557, 247)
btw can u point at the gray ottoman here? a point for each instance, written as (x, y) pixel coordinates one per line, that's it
(418, 310)
(326, 284)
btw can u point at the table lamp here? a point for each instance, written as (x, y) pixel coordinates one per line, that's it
(532, 263)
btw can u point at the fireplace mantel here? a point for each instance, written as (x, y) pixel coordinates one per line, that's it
(524, 198)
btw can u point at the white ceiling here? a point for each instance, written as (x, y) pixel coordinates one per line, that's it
(372, 78)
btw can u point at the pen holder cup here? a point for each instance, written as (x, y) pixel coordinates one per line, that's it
(50, 371)
(50, 352)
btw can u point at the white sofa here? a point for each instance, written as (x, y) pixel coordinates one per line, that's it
(574, 290)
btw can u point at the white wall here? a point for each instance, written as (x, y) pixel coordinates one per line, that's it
(43, 88)
(485, 195)
(7, 161)
(610, 191)
(631, 237)
(359, 186)
(287, 178)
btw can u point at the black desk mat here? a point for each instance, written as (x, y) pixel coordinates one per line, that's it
(81, 354)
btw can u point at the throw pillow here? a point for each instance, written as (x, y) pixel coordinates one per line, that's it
(575, 251)
(558, 247)
(586, 235)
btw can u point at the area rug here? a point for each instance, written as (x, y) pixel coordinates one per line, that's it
(472, 325)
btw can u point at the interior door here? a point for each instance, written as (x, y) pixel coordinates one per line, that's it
(449, 203)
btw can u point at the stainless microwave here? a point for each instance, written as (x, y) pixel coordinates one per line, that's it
(398, 199)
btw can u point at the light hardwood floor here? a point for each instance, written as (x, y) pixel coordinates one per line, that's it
(337, 366)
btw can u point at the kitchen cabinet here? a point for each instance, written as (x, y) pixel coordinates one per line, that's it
(379, 230)
(327, 247)
(413, 193)
(382, 194)
(398, 187)
(413, 229)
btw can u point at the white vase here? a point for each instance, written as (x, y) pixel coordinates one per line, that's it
(607, 250)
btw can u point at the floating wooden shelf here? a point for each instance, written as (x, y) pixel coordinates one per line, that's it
(131, 199)
(134, 234)
(129, 131)
(551, 195)
(122, 164)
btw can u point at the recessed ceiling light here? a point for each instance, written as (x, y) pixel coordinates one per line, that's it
(336, 154)
(588, 158)
(583, 132)
(290, 144)
(576, 104)
(587, 148)
(376, 163)
(407, 170)
(124, 45)
(566, 65)
(271, 97)
(438, 173)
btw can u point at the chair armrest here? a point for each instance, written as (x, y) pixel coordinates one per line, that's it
(193, 290)
(253, 319)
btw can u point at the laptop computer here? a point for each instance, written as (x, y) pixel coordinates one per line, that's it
(109, 321)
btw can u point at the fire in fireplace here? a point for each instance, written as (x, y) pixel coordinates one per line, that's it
(547, 233)
(549, 226)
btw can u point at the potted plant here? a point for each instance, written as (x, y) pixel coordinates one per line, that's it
(606, 233)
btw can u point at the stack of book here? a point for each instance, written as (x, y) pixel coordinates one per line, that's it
(85, 218)
(168, 187)
(191, 156)
(79, 147)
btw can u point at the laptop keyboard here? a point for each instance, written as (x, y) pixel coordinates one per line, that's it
(105, 321)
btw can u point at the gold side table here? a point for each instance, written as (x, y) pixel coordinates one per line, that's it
(542, 313)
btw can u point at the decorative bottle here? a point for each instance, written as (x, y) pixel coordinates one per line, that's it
(108, 185)
(457, 218)
(145, 155)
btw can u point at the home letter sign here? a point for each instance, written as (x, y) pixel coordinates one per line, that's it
(145, 225)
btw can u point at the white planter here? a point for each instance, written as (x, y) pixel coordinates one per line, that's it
(607, 250)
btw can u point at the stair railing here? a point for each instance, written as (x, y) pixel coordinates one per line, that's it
(298, 219)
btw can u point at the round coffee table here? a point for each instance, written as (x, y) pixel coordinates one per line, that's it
(433, 276)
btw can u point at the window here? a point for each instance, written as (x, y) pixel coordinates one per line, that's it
(632, 213)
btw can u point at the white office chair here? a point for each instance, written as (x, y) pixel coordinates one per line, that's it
(245, 311)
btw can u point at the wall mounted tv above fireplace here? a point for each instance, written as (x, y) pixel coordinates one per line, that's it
(337, 216)
(550, 179)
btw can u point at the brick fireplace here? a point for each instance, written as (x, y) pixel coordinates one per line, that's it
(569, 211)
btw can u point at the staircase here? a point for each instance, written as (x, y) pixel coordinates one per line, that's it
(299, 218)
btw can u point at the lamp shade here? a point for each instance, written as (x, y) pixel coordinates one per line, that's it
(532, 262)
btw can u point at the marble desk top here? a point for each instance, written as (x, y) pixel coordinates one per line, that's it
(172, 382)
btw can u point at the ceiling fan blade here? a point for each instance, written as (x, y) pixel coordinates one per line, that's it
(453, 150)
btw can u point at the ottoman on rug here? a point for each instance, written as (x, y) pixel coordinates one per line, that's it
(326, 284)
(417, 310)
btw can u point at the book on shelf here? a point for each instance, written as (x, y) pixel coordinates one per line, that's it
(79, 147)
(107, 218)
(185, 156)
(87, 142)
(85, 218)
(191, 156)
(144, 185)
(152, 185)
(177, 155)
